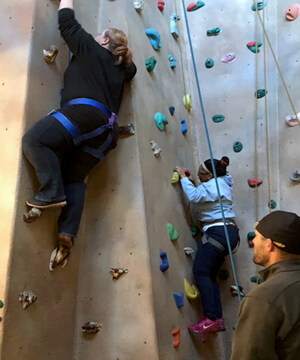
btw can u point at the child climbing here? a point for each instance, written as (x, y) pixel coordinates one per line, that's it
(85, 128)
(205, 213)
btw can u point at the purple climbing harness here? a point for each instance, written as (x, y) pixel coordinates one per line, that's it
(78, 138)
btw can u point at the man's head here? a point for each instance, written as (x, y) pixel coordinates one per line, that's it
(277, 238)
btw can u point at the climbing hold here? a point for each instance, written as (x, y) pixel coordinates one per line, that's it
(156, 149)
(218, 118)
(175, 177)
(127, 129)
(237, 146)
(209, 63)
(250, 237)
(228, 58)
(188, 250)
(173, 28)
(293, 120)
(195, 6)
(138, 5)
(292, 12)
(91, 327)
(260, 93)
(164, 261)
(187, 102)
(176, 337)
(213, 32)
(178, 297)
(154, 38)
(260, 5)
(160, 120)
(190, 291)
(194, 230)
(172, 61)
(1, 304)
(32, 215)
(172, 233)
(171, 110)
(59, 256)
(256, 279)
(254, 46)
(295, 176)
(223, 274)
(234, 290)
(150, 63)
(253, 182)
(27, 297)
(117, 272)
(272, 204)
(183, 126)
(160, 5)
(50, 54)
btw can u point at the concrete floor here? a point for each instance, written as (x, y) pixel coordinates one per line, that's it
(130, 199)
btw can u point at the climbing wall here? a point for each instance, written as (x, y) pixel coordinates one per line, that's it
(129, 197)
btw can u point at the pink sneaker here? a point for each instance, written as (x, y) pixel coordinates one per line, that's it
(206, 326)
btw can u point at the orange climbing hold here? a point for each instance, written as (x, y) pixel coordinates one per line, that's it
(176, 337)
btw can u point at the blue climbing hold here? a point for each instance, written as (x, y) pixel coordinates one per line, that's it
(154, 38)
(172, 61)
(178, 297)
(260, 5)
(171, 110)
(183, 126)
(164, 261)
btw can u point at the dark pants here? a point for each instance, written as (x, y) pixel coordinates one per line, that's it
(207, 264)
(61, 169)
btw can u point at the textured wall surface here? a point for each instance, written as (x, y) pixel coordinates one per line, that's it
(129, 197)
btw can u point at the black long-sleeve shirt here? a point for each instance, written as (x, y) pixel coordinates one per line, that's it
(92, 73)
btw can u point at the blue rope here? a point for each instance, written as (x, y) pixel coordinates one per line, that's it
(211, 154)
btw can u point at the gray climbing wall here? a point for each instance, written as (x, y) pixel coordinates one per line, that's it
(130, 199)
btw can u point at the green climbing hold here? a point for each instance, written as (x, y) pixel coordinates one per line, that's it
(150, 63)
(173, 234)
(272, 204)
(1, 304)
(260, 93)
(250, 236)
(209, 63)
(218, 118)
(237, 146)
(194, 230)
(213, 32)
(256, 279)
(160, 120)
(223, 274)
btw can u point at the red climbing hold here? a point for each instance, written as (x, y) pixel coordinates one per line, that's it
(160, 4)
(253, 182)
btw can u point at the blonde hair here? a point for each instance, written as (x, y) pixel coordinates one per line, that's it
(118, 45)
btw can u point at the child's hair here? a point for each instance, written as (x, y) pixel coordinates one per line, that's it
(220, 165)
(118, 45)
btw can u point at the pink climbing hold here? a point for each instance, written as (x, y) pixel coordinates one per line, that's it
(292, 12)
(160, 5)
(253, 182)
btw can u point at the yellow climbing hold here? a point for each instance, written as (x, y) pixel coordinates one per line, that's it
(175, 177)
(187, 102)
(190, 291)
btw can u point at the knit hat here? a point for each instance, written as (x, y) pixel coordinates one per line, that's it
(283, 228)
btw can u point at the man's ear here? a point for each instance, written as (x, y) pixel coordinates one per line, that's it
(270, 245)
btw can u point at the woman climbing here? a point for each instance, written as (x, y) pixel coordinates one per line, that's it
(64, 146)
(205, 213)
